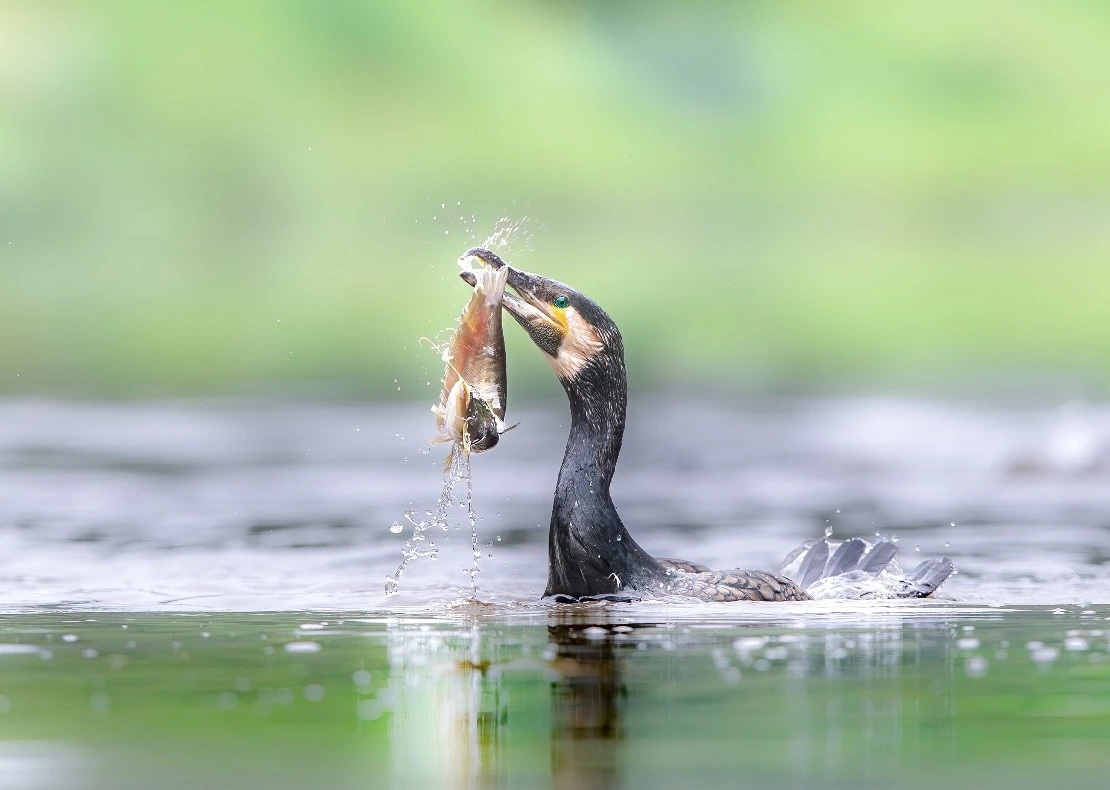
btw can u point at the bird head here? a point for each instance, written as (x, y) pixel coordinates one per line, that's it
(571, 329)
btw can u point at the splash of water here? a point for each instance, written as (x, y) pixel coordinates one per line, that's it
(475, 552)
(457, 468)
(509, 235)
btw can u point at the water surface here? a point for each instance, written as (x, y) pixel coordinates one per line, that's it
(801, 695)
(193, 596)
(254, 506)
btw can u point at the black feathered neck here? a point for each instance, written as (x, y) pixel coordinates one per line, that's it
(590, 551)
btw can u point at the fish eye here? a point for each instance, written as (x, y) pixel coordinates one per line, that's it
(562, 302)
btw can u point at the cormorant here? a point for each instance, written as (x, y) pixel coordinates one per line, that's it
(590, 553)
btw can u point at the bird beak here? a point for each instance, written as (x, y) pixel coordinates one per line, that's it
(530, 307)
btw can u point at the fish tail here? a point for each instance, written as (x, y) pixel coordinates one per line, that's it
(491, 284)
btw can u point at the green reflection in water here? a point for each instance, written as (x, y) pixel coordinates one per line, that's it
(601, 697)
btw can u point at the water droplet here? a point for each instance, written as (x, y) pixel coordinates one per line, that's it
(1044, 656)
(1075, 644)
(396, 528)
(391, 586)
(976, 666)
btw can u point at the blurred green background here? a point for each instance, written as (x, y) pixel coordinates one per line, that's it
(269, 196)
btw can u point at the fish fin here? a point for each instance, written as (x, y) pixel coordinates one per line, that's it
(493, 285)
(490, 282)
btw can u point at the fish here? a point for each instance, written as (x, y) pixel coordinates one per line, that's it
(472, 401)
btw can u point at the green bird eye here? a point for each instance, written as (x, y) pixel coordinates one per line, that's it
(562, 302)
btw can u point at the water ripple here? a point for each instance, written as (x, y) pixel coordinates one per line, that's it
(252, 506)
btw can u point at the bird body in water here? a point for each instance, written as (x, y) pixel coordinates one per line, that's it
(590, 552)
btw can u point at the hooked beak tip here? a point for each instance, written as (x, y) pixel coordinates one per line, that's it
(482, 257)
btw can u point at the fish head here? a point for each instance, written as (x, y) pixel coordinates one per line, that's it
(570, 329)
(468, 418)
(483, 429)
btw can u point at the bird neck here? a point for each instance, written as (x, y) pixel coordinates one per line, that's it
(598, 406)
(590, 551)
